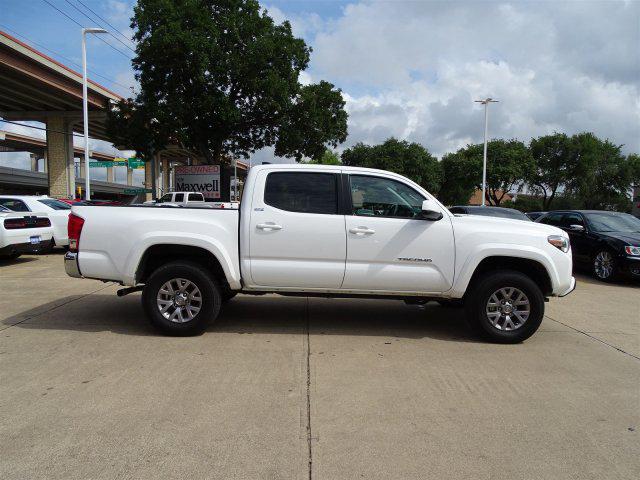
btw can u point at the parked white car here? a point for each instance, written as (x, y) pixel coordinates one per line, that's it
(57, 212)
(23, 233)
(318, 230)
(178, 199)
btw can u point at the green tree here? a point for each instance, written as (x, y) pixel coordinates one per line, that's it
(327, 158)
(220, 78)
(462, 175)
(509, 164)
(603, 175)
(409, 159)
(633, 163)
(316, 118)
(555, 165)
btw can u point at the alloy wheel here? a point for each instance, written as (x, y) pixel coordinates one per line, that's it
(508, 309)
(603, 265)
(179, 300)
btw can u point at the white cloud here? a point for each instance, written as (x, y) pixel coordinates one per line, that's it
(413, 69)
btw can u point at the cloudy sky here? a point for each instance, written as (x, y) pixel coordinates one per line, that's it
(411, 69)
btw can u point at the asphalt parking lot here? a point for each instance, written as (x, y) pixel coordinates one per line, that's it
(302, 388)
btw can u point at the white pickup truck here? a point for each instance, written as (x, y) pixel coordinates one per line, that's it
(178, 199)
(324, 231)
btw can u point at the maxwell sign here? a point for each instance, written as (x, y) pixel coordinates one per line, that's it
(198, 178)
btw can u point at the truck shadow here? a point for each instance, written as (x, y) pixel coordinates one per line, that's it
(256, 315)
(342, 316)
(16, 261)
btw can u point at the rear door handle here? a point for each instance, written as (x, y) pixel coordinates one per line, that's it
(268, 226)
(362, 231)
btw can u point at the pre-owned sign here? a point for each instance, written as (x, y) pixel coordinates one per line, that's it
(198, 178)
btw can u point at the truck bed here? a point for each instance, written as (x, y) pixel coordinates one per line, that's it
(114, 239)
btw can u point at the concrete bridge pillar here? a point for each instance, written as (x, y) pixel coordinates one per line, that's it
(60, 167)
(148, 179)
(158, 175)
(166, 175)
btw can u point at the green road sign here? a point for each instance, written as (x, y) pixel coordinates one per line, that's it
(101, 164)
(135, 163)
(135, 191)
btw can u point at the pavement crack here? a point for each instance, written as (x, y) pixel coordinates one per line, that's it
(55, 308)
(308, 354)
(594, 338)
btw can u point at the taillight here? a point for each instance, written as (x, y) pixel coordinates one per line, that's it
(26, 222)
(74, 227)
(13, 223)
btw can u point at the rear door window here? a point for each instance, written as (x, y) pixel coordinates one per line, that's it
(302, 192)
(55, 204)
(179, 197)
(14, 204)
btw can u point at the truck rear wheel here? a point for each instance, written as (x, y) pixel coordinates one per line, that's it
(505, 307)
(181, 299)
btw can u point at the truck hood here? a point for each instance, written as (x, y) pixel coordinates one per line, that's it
(501, 226)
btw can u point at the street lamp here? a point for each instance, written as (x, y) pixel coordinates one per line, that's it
(486, 103)
(85, 108)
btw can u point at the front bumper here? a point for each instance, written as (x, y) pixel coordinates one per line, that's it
(630, 266)
(571, 288)
(71, 265)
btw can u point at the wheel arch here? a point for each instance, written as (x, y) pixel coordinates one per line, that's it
(160, 254)
(527, 266)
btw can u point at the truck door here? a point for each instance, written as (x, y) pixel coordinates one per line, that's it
(388, 248)
(296, 232)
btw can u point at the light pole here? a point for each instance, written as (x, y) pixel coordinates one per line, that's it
(486, 103)
(85, 108)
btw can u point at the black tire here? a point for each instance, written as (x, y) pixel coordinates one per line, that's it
(505, 331)
(604, 266)
(209, 305)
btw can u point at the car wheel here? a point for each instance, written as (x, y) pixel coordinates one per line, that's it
(604, 266)
(181, 299)
(505, 307)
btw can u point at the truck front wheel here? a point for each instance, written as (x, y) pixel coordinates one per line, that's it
(181, 299)
(505, 307)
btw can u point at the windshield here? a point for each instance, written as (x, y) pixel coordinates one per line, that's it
(165, 198)
(613, 222)
(55, 204)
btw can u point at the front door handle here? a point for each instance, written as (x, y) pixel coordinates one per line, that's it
(362, 231)
(268, 226)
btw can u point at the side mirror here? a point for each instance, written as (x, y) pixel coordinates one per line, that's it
(430, 211)
(576, 228)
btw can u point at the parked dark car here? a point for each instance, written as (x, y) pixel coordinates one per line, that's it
(534, 215)
(490, 212)
(607, 242)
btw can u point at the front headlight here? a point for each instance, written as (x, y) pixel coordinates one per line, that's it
(631, 250)
(560, 242)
